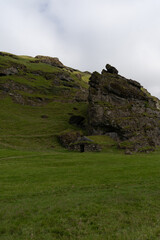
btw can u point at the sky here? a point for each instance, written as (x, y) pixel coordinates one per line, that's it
(88, 34)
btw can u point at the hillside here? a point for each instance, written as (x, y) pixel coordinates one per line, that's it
(38, 96)
(46, 105)
(49, 192)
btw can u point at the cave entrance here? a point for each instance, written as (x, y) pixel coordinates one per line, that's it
(82, 148)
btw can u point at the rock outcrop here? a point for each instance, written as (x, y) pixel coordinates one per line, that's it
(8, 71)
(53, 61)
(122, 109)
(111, 69)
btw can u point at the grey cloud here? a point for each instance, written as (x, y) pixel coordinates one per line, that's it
(87, 34)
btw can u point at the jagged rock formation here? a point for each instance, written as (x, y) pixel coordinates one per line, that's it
(120, 108)
(111, 69)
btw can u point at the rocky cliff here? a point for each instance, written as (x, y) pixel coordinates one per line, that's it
(39, 80)
(122, 109)
(40, 96)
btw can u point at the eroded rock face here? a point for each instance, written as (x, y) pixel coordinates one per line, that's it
(53, 61)
(119, 107)
(8, 71)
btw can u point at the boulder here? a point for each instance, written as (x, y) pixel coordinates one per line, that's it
(111, 69)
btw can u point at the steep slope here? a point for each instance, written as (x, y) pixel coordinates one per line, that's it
(37, 98)
(31, 81)
(122, 109)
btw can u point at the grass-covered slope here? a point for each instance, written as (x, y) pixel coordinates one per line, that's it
(49, 193)
(37, 99)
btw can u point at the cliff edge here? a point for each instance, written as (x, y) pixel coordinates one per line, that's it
(122, 109)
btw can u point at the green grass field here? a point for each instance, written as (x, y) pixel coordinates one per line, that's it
(65, 195)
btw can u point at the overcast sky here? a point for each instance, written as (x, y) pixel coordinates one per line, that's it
(87, 34)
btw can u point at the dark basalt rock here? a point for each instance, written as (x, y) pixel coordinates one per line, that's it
(111, 69)
(122, 109)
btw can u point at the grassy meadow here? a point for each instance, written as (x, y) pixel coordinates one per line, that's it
(65, 195)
